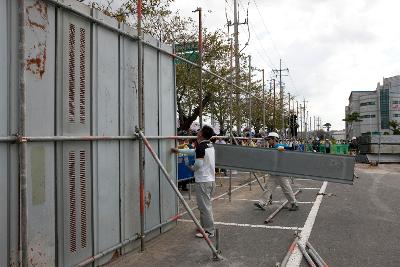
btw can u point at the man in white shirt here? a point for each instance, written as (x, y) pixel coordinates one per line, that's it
(204, 174)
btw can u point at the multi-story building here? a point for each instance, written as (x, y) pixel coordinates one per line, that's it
(338, 135)
(376, 108)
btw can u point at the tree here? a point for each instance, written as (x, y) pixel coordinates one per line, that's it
(394, 125)
(351, 118)
(327, 126)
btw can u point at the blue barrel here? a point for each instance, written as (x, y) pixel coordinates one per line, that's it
(184, 171)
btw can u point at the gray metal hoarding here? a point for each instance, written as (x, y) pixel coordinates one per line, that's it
(81, 80)
(315, 166)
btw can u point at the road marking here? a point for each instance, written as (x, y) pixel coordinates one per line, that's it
(250, 225)
(306, 188)
(255, 200)
(296, 257)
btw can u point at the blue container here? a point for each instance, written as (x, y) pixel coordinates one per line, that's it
(184, 171)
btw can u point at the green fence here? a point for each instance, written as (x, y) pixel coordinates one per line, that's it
(335, 149)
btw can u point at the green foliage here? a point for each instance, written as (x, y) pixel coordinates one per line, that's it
(353, 117)
(394, 125)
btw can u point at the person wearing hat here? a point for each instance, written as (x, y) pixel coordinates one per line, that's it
(353, 146)
(204, 174)
(275, 180)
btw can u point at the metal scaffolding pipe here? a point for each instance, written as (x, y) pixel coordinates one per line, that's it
(108, 251)
(7, 139)
(217, 239)
(175, 188)
(141, 123)
(23, 209)
(310, 247)
(305, 254)
(20, 139)
(258, 180)
(170, 220)
(270, 217)
(314, 258)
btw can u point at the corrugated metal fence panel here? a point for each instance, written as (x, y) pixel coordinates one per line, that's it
(40, 94)
(105, 122)
(167, 114)
(74, 111)
(4, 28)
(81, 80)
(151, 98)
(130, 219)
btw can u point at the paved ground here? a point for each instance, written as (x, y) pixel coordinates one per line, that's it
(354, 225)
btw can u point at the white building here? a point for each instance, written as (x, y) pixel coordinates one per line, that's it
(338, 135)
(376, 108)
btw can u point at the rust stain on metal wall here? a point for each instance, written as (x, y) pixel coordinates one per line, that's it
(37, 15)
(37, 21)
(37, 257)
(147, 199)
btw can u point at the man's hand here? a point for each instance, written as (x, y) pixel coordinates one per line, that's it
(174, 150)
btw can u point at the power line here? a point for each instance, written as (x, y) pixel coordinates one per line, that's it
(266, 28)
(272, 40)
(271, 65)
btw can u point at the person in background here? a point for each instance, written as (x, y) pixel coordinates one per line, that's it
(204, 174)
(353, 146)
(315, 144)
(328, 146)
(220, 141)
(274, 180)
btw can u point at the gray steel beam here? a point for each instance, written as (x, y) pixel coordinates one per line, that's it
(314, 166)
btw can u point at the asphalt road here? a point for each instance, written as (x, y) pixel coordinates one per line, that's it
(355, 225)
(361, 225)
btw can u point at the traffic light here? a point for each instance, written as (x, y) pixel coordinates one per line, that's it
(293, 125)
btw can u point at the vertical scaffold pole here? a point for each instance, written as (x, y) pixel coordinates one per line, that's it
(230, 117)
(23, 217)
(141, 122)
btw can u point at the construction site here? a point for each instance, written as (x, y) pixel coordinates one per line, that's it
(92, 164)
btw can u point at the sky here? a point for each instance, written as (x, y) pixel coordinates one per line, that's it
(331, 47)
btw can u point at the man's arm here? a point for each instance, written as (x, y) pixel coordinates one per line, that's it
(183, 151)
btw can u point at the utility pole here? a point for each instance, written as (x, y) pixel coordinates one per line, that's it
(274, 112)
(281, 93)
(263, 88)
(249, 93)
(319, 123)
(314, 123)
(237, 64)
(289, 111)
(304, 120)
(297, 113)
(200, 48)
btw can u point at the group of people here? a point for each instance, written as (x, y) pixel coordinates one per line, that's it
(204, 174)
